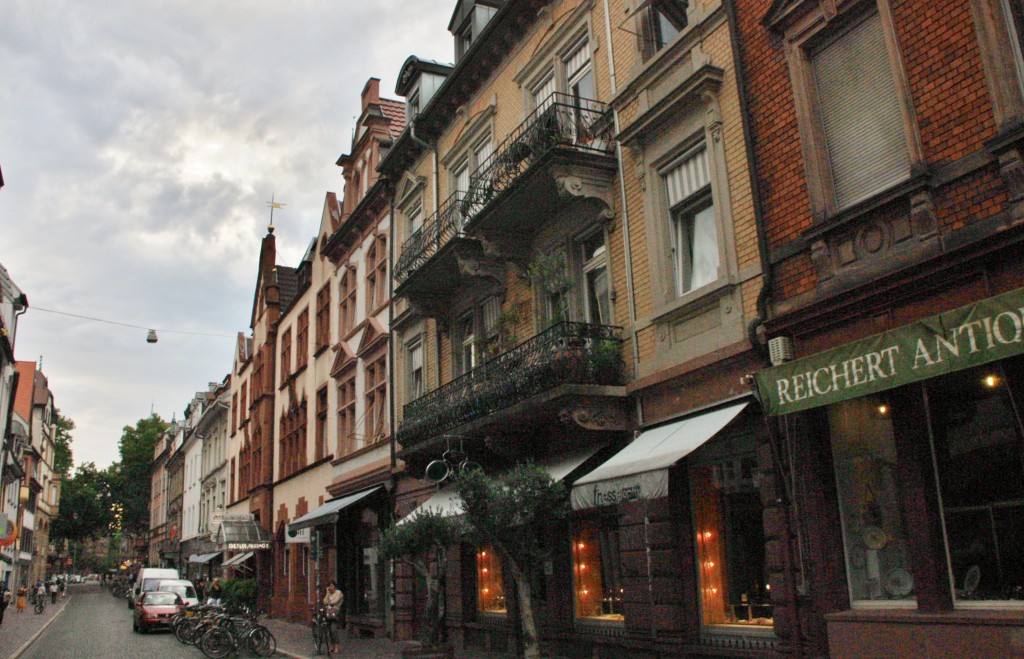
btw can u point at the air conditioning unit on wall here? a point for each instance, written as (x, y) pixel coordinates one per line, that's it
(780, 350)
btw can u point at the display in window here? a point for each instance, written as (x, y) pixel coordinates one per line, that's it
(877, 553)
(491, 589)
(979, 452)
(596, 575)
(734, 588)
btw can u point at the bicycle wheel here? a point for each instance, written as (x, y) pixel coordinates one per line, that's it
(261, 642)
(317, 637)
(217, 643)
(184, 631)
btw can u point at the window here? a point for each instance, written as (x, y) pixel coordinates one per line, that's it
(694, 231)
(302, 340)
(597, 578)
(347, 301)
(864, 460)
(376, 398)
(1014, 13)
(414, 359)
(860, 113)
(579, 75)
(543, 92)
(490, 587)
(286, 354)
(660, 23)
(730, 541)
(596, 291)
(376, 274)
(323, 317)
(414, 219)
(347, 413)
(321, 423)
(465, 348)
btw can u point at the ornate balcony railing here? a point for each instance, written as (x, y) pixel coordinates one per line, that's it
(560, 122)
(567, 353)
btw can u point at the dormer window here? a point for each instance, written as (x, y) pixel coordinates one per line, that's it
(468, 22)
(413, 104)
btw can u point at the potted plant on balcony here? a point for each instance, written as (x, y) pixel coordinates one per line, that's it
(606, 363)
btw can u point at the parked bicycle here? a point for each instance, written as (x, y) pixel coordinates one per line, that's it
(321, 630)
(235, 634)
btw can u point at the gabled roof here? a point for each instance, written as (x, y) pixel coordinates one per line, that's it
(288, 284)
(345, 358)
(394, 112)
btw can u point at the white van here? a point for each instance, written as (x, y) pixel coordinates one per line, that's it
(183, 587)
(147, 581)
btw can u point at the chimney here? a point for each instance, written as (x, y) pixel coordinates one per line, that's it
(371, 92)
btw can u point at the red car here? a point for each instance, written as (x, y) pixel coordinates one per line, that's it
(154, 609)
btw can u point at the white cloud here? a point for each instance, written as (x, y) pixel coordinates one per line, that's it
(140, 141)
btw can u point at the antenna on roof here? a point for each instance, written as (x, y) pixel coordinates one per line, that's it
(273, 204)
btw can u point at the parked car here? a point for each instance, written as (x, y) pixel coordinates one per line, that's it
(183, 587)
(146, 581)
(154, 609)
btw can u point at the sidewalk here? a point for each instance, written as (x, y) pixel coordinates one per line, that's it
(18, 628)
(296, 640)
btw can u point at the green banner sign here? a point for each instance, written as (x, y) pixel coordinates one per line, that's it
(972, 335)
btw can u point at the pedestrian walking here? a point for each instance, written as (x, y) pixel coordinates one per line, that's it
(333, 601)
(40, 592)
(22, 594)
(63, 587)
(53, 592)
(5, 600)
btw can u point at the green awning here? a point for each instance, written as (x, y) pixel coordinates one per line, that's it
(975, 334)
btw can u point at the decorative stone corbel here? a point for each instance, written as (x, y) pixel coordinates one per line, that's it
(923, 219)
(596, 416)
(1011, 169)
(821, 257)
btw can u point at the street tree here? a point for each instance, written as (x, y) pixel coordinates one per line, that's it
(424, 542)
(84, 505)
(513, 514)
(130, 478)
(62, 459)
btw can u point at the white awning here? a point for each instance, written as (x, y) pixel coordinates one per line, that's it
(328, 513)
(237, 559)
(203, 558)
(640, 471)
(448, 503)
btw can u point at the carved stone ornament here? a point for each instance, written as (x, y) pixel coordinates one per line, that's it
(585, 188)
(596, 417)
(922, 214)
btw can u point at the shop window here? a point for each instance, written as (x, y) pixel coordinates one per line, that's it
(596, 574)
(976, 426)
(734, 588)
(877, 555)
(490, 587)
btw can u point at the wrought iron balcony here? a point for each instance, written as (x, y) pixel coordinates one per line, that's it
(561, 124)
(567, 353)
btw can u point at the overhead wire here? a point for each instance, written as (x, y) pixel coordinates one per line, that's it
(141, 327)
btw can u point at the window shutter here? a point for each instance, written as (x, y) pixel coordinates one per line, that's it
(492, 311)
(542, 93)
(860, 112)
(577, 60)
(687, 177)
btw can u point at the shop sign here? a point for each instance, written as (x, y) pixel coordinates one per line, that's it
(972, 335)
(254, 545)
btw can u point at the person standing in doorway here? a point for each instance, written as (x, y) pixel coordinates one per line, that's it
(333, 601)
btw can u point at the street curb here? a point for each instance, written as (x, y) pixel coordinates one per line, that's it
(279, 651)
(32, 639)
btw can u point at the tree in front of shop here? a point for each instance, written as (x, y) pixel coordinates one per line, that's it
(514, 513)
(423, 542)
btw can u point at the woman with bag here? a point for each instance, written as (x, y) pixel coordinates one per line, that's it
(332, 603)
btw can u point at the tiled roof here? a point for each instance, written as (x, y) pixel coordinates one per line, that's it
(288, 284)
(394, 112)
(41, 391)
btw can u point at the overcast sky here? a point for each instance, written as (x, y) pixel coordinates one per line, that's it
(140, 141)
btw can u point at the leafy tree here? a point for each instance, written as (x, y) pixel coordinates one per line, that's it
(62, 460)
(513, 513)
(84, 505)
(422, 542)
(130, 479)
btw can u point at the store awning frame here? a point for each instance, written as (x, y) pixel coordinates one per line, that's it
(203, 558)
(237, 560)
(331, 510)
(640, 470)
(243, 535)
(447, 502)
(972, 335)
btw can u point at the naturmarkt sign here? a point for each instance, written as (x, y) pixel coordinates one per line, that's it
(972, 335)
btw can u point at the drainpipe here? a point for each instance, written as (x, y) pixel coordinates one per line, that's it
(392, 410)
(630, 302)
(755, 328)
(433, 174)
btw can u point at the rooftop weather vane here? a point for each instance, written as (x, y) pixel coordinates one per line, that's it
(273, 204)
